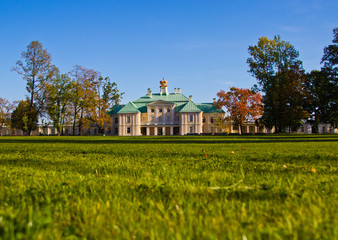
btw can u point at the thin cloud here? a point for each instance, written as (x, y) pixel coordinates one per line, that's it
(190, 45)
(292, 29)
(223, 83)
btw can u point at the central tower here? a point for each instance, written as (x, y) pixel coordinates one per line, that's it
(163, 87)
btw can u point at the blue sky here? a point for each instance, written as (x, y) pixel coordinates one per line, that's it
(199, 46)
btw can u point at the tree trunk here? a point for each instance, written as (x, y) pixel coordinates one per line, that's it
(32, 93)
(74, 120)
(80, 123)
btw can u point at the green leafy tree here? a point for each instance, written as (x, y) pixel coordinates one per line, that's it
(286, 101)
(111, 94)
(330, 57)
(330, 69)
(58, 100)
(321, 89)
(35, 67)
(280, 77)
(24, 117)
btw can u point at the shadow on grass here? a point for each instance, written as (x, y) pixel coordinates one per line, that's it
(172, 139)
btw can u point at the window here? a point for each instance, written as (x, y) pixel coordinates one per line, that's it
(204, 119)
(212, 120)
(177, 118)
(116, 130)
(116, 120)
(191, 118)
(128, 119)
(168, 118)
(235, 127)
(212, 129)
(152, 110)
(152, 119)
(128, 130)
(168, 109)
(160, 110)
(302, 129)
(160, 119)
(252, 129)
(323, 129)
(191, 129)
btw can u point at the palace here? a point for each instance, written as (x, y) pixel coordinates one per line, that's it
(165, 113)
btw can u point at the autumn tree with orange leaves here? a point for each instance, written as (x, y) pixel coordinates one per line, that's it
(104, 102)
(91, 98)
(241, 104)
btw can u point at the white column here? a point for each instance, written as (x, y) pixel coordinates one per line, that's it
(138, 123)
(155, 131)
(171, 130)
(148, 131)
(120, 125)
(133, 125)
(186, 123)
(200, 117)
(163, 131)
(156, 115)
(182, 125)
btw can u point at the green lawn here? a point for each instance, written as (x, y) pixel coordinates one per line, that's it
(229, 187)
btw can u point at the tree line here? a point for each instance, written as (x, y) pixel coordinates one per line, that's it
(80, 98)
(284, 96)
(290, 95)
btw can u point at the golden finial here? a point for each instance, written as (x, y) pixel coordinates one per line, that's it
(163, 83)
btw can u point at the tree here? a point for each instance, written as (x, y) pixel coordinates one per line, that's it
(280, 77)
(330, 57)
(241, 104)
(330, 60)
(320, 88)
(83, 96)
(105, 102)
(58, 99)
(284, 105)
(5, 113)
(24, 117)
(36, 69)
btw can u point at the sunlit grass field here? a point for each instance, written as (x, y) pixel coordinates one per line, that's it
(191, 187)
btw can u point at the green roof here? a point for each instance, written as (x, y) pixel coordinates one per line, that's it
(182, 104)
(129, 108)
(116, 108)
(209, 108)
(190, 107)
(170, 97)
